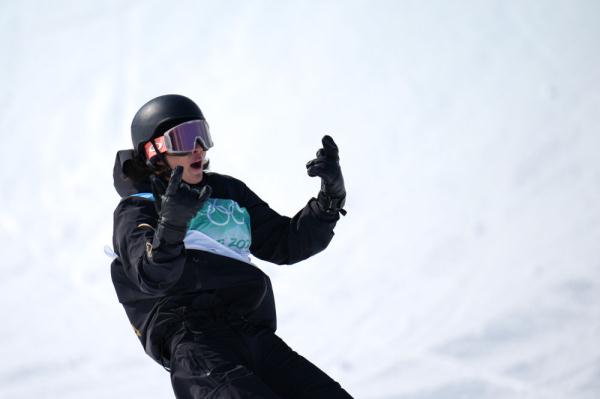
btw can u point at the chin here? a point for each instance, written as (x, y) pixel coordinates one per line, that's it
(194, 178)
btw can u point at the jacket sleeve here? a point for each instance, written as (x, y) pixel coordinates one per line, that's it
(135, 220)
(283, 240)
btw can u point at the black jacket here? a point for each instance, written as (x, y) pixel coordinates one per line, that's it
(156, 296)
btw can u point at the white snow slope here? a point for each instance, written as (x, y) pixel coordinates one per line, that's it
(468, 265)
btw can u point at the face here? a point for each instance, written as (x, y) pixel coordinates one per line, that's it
(192, 164)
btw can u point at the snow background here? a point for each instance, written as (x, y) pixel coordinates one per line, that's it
(468, 265)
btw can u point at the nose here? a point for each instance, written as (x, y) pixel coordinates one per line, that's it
(198, 147)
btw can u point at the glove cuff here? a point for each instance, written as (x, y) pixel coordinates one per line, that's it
(168, 233)
(331, 205)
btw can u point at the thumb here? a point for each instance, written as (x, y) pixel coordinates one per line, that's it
(158, 190)
(158, 186)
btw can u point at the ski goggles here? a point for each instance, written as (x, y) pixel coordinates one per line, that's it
(181, 139)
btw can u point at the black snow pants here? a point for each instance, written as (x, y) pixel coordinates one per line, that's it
(226, 360)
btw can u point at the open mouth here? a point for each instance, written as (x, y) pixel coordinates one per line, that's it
(196, 165)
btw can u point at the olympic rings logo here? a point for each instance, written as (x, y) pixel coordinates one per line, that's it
(223, 214)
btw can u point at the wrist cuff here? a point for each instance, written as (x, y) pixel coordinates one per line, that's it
(331, 205)
(169, 234)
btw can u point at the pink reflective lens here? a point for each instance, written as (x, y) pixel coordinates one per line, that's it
(183, 138)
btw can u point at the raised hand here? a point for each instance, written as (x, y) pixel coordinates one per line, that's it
(326, 165)
(177, 206)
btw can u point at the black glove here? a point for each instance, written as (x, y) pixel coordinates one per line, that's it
(176, 204)
(326, 165)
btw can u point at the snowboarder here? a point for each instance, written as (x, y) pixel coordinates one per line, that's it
(183, 235)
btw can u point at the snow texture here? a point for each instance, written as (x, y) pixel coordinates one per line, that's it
(469, 263)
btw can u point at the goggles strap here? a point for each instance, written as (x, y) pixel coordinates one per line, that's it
(153, 162)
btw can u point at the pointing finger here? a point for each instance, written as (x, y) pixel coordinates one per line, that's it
(175, 180)
(330, 149)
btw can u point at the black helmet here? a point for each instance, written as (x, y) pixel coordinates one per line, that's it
(159, 115)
